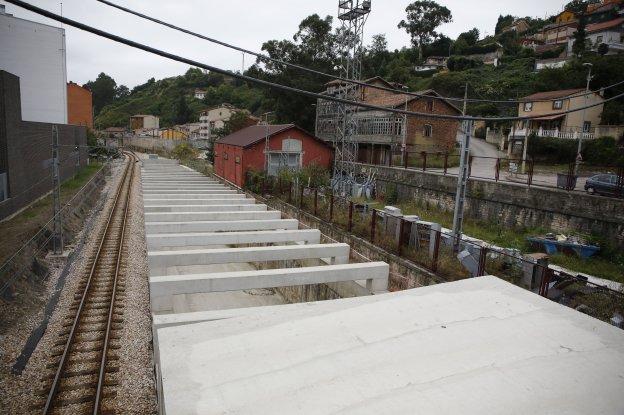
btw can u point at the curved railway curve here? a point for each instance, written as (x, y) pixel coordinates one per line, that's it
(83, 358)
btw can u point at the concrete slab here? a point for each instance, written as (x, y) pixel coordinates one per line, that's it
(478, 346)
(206, 208)
(375, 272)
(241, 200)
(159, 261)
(151, 197)
(160, 241)
(208, 216)
(223, 191)
(220, 226)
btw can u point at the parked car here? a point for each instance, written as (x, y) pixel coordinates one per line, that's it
(604, 184)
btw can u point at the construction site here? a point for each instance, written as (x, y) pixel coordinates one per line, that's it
(172, 285)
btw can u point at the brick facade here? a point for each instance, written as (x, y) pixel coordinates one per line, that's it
(444, 132)
(26, 150)
(79, 105)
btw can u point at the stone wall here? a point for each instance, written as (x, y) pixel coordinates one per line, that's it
(151, 145)
(511, 204)
(26, 150)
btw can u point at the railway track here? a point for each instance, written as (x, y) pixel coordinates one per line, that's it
(83, 359)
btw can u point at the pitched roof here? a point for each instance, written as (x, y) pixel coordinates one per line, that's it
(253, 134)
(597, 27)
(398, 100)
(553, 94)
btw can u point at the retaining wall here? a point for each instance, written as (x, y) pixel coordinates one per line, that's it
(511, 204)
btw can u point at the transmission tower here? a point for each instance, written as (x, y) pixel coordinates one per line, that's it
(352, 15)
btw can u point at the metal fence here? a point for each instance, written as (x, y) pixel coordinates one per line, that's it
(431, 247)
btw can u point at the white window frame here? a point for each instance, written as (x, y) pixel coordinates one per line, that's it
(528, 106)
(428, 128)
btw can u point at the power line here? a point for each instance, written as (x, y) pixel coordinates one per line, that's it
(336, 77)
(250, 79)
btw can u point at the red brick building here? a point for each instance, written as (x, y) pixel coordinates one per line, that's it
(79, 105)
(380, 134)
(289, 147)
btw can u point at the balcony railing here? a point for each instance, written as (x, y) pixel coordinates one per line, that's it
(570, 135)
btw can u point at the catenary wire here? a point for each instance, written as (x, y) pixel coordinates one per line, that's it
(310, 94)
(335, 77)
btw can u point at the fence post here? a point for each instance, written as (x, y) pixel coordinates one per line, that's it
(331, 207)
(570, 177)
(373, 224)
(290, 186)
(424, 156)
(400, 239)
(405, 156)
(482, 261)
(300, 196)
(350, 224)
(530, 173)
(315, 201)
(470, 165)
(436, 252)
(446, 156)
(620, 179)
(497, 174)
(546, 277)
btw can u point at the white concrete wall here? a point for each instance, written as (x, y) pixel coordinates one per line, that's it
(36, 53)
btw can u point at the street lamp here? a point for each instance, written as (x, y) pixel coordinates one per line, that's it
(589, 66)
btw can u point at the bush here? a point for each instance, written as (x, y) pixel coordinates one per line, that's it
(552, 150)
(314, 176)
(184, 152)
(603, 151)
(459, 63)
(392, 195)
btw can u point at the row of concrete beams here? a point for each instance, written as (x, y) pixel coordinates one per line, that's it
(184, 209)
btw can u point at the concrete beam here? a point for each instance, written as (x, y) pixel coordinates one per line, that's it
(160, 241)
(162, 288)
(180, 186)
(206, 208)
(220, 226)
(242, 200)
(188, 192)
(209, 216)
(161, 260)
(169, 196)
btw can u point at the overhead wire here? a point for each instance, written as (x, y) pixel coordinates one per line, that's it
(335, 77)
(286, 88)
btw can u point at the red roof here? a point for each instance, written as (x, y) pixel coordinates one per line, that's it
(598, 27)
(256, 133)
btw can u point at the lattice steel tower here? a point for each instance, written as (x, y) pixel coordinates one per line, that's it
(352, 15)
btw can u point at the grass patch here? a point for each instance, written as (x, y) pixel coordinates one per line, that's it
(610, 269)
(434, 160)
(23, 226)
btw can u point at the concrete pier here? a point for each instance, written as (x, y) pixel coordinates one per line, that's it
(220, 226)
(209, 216)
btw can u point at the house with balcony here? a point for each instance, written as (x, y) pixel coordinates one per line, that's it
(610, 33)
(380, 134)
(550, 121)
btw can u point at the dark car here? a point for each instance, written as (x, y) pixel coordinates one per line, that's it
(604, 184)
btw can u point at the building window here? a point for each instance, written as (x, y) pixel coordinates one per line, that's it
(528, 106)
(237, 160)
(599, 39)
(430, 106)
(225, 156)
(557, 105)
(428, 130)
(587, 126)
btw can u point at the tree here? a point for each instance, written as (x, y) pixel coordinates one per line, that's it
(580, 37)
(471, 37)
(237, 121)
(503, 22)
(423, 18)
(122, 92)
(577, 7)
(439, 47)
(379, 44)
(182, 112)
(104, 90)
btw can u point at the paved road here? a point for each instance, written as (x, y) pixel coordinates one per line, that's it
(484, 167)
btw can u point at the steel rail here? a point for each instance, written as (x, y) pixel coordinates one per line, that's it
(49, 405)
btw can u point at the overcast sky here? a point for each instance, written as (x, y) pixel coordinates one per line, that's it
(247, 23)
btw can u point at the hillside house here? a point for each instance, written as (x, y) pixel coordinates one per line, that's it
(433, 63)
(564, 126)
(381, 134)
(213, 119)
(610, 33)
(144, 122)
(200, 94)
(289, 147)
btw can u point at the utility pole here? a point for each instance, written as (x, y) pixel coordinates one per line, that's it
(404, 132)
(57, 236)
(462, 179)
(580, 141)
